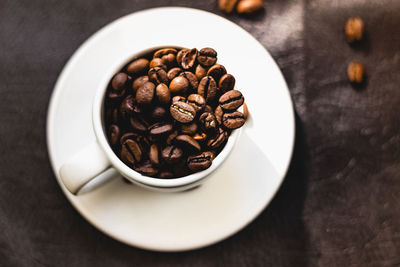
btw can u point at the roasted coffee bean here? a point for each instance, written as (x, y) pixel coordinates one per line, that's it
(158, 62)
(200, 72)
(167, 55)
(154, 155)
(172, 73)
(200, 137)
(233, 120)
(131, 152)
(208, 122)
(200, 162)
(179, 55)
(207, 88)
(189, 58)
(216, 72)
(226, 83)
(218, 140)
(227, 6)
(355, 72)
(193, 82)
(354, 29)
(139, 124)
(245, 111)
(158, 113)
(171, 154)
(162, 93)
(187, 143)
(139, 82)
(145, 93)
(146, 169)
(207, 57)
(119, 81)
(197, 101)
(166, 174)
(171, 137)
(179, 85)
(126, 136)
(160, 129)
(190, 128)
(127, 107)
(249, 6)
(178, 98)
(138, 66)
(114, 134)
(182, 112)
(218, 114)
(231, 100)
(158, 75)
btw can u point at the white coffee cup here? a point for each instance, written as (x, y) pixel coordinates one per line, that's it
(97, 157)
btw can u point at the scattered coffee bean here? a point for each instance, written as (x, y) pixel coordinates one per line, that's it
(131, 152)
(179, 85)
(172, 73)
(191, 77)
(226, 83)
(139, 124)
(179, 55)
(218, 114)
(189, 58)
(113, 134)
(190, 128)
(207, 57)
(187, 142)
(208, 122)
(167, 55)
(158, 62)
(160, 129)
(218, 140)
(197, 101)
(146, 169)
(182, 112)
(158, 75)
(171, 154)
(153, 155)
(200, 137)
(207, 88)
(127, 107)
(216, 72)
(163, 94)
(139, 82)
(200, 162)
(249, 6)
(231, 100)
(355, 72)
(145, 93)
(233, 120)
(138, 66)
(119, 81)
(245, 111)
(178, 98)
(227, 6)
(354, 29)
(200, 72)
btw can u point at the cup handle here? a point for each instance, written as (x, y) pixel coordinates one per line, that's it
(83, 167)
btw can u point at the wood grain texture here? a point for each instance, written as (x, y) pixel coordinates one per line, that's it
(340, 202)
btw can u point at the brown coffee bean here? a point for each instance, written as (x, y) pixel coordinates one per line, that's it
(193, 82)
(207, 57)
(227, 6)
(208, 122)
(200, 162)
(200, 72)
(158, 75)
(231, 100)
(158, 62)
(249, 6)
(145, 93)
(178, 98)
(189, 58)
(158, 113)
(218, 114)
(162, 93)
(171, 137)
(164, 51)
(179, 85)
(166, 174)
(126, 136)
(167, 55)
(139, 124)
(200, 137)
(190, 128)
(127, 107)
(216, 71)
(153, 155)
(187, 143)
(139, 82)
(172, 73)
(171, 154)
(354, 29)
(355, 72)
(233, 120)
(197, 101)
(182, 112)
(218, 140)
(245, 111)
(179, 55)
(146, 169)
(138, 66)
(119, 81)
(160, 129)
(131, 152)
(114, 134)
(207, 88)
(226, 83)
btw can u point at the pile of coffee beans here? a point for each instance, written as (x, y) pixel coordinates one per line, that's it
(170, 112)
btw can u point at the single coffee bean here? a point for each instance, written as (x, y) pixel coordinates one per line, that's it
(162, 93)
(139, 124)
(145, 93)
(182, 112)
(160, 129)
(207, 88)
(227, 6)
(200, 72)
(131, 152)
(218, 114)
(226, 83)
(208, 122)
(126, 136)
(166, 174)
(179, 85)
(167, 55)
(189, 58)
(153, 155)
(218, 140)
(216, 71)
(127, 107)
(171, 137)
(233, 120)
(158, 75)
(146, 169)
(179, 55)
(172, 73)
(245, 111)
(158, 113)
(187, 143)
(114, 134)
(171, 154)
(355, 72)
(118, 83)
(197, 101)
(231, 100)
(249, 6)
(190, 128)
(354, 29)
(207, 57)
(138, 66)
(200, 137)
(200, 162)
(158, 62)
(178, 98)
(193, 82)
(139, 82)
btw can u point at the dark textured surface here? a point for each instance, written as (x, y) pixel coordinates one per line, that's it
(340, 202)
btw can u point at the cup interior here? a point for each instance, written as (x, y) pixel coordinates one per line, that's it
(117, 163)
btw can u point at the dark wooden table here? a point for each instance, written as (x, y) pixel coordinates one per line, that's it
(340, 202)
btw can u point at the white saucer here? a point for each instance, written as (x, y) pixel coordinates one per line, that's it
(237, 192)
